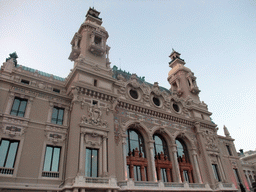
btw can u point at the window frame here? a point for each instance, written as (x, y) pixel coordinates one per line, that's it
(229, 150)
(57, 116)
(216, 172)
(8, 151)
(59, 163)
(91, 166)
(18, 110)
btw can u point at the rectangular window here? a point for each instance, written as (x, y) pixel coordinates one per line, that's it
(185, 175)
(91, 167)
(57, 115)
(56, 90)
(24, 81)
(229, 150)
(137, 173)
(216, 172)
(237, 175)
(19, 107)
(51, 161)
(8, 152)
(163, 175)
(95, 83)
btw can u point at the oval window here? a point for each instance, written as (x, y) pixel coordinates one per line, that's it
(156, 101)
(134, 94)
(176, 107)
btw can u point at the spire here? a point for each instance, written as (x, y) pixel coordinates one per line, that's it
(175, 59)
(226, 132)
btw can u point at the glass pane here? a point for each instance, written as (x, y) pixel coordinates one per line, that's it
(12, 155)
(138, 173)
(22, 108)
(159, 149)
(48, 159)
(55, 159)
(180, 149)
(133, 135)
(134, 145)
(60, 116)
(158, 141)
(215, 170)
(15, 107)
(185, 175)
(163, 175)
(54, 115)
(3, 151)
(94, 163)
(88, 162)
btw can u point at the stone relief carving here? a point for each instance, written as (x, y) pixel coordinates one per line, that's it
(117, 131)
(13, 130)
(55, 137)
(94, 117)
(210, 138)
(93, 139)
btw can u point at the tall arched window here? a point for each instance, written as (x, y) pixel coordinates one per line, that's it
(136, 157)
(184, 163)
(162, 159)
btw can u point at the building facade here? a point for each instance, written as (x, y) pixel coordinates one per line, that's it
(248, 161)
(104, 129)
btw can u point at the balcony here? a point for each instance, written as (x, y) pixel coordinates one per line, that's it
(96, 48)
(6, 171)
(95, 182)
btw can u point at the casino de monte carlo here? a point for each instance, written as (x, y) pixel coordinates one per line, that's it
(106, 130)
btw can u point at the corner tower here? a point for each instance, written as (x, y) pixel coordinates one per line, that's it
(182, 79)
(89, 43)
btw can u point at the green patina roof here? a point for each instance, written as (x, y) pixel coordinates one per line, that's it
(41, 73)
(127, 75)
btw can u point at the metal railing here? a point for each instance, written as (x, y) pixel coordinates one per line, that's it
(7, 171)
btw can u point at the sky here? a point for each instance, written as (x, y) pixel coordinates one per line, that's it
(216, 38)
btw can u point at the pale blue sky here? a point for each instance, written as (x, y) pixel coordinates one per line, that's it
(216, 38)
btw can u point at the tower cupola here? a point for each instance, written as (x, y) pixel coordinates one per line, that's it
(182, 79)
(89, 43)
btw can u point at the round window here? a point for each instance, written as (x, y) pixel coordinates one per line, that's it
(156, 101)
(176, 107)
(134, 94)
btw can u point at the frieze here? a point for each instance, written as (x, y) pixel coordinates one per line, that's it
(93, 139)
(15, 120)
(150, 121)
(40, 95)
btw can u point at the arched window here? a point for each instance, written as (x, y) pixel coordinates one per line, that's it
(184, 163)
(162, 159)
(136, 157)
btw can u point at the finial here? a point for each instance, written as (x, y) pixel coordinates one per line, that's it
(173, 50)
(226, 132)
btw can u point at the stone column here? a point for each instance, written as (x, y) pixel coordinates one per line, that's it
(65, 120)
(82, 190)
(124, 158)
(9, 104)
(104, 153)
(196, 166)
(152, 160)
(28, 107)
(177, 176)
(82, 159)
(205, 156)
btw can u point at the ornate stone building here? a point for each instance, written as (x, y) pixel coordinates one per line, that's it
(248, 161)
(103, 129)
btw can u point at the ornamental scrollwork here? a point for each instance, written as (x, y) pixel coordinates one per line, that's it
(210, 138)
(94, 117)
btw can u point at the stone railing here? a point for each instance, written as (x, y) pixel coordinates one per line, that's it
(226, 187)
(6, 171)
(162, 186)
(50, 174)
(95, 182)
